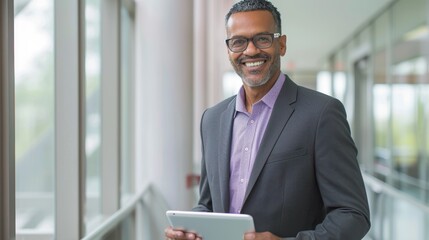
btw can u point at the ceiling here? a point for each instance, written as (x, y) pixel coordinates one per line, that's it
(315, 28)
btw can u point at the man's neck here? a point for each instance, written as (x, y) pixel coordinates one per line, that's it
(254, 94)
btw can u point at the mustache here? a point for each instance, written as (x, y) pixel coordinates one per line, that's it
(257, 56)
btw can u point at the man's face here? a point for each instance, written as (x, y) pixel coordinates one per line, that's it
(255, 66)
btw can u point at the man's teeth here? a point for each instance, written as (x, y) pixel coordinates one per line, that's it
(254, 64)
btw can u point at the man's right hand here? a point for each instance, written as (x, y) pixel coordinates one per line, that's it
(172, 234)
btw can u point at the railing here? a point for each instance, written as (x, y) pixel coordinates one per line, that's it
(147, 199)
(117, 217)
(394, 213)
(381, 187)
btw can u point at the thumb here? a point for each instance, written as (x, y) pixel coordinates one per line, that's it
(249, 236)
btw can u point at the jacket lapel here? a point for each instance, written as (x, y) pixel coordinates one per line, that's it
(225, 133)
(279, 117)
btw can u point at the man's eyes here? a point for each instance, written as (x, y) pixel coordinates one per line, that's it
(239, 41)
(262, 39)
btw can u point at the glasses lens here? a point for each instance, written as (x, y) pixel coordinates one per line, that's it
(237, 44)
(263, 40)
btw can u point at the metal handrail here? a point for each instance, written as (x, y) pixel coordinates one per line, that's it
(375, 184)
(111, 222)
(379, 186)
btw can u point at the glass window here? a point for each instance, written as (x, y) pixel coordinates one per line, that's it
(93, 116)
(350, 92)
(340, 85)
(404, 122)
(324, 83)
(423, 109)
(339, 77)
(381, 98)
(34, 119)
(127, 106)
(382, 115)
(408, 69)
(381, 38)
(423, 104)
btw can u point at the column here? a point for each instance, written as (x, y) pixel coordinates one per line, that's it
(164, 92)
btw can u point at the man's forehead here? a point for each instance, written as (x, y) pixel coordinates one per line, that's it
(255, 15)
(250, 19)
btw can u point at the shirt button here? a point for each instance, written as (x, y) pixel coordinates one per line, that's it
(252, 121)
(246, 149)
(242, 180)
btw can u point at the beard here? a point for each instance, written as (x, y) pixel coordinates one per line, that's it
(247, 76)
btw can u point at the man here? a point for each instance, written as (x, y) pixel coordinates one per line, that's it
(277, 151)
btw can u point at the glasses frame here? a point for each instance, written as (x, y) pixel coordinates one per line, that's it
(273, 35)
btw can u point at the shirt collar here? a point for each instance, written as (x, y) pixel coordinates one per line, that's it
(269, 99)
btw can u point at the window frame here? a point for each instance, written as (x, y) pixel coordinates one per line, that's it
(7, 146)
(69, 117)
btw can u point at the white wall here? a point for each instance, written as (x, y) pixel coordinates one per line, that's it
(164, 97)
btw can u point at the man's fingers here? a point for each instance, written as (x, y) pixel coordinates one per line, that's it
(190, 236)
(170, 233)
(249, 236)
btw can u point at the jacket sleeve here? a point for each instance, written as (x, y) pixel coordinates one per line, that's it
(339, 179)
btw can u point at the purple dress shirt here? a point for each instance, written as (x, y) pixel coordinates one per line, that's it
(248, 131)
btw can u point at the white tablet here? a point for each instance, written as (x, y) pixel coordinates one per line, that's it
(212, 226)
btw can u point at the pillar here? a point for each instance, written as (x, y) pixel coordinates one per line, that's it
(164, 92)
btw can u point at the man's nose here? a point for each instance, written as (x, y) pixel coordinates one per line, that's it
(251, 49)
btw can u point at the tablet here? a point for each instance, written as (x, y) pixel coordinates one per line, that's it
(212, 226)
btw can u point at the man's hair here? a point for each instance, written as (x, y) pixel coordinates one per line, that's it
(254, 5)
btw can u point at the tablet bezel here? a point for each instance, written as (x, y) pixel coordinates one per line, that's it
(211, 225)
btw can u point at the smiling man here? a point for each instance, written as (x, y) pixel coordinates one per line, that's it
(277, 151)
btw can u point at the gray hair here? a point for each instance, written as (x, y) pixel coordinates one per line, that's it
(254, 5)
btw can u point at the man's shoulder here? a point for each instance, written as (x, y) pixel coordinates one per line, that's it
(213, 113)
(299, 92)
(313, 95)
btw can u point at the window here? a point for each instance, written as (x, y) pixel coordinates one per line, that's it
(34, 119)
(127, 99)
(93, 116)
(409, 76)
(381, 94)
(324, 82)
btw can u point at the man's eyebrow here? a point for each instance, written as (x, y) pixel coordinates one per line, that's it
(240, 36)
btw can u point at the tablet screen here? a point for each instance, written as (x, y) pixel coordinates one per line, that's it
(212, 226)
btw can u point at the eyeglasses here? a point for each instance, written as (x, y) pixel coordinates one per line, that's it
(261, 41)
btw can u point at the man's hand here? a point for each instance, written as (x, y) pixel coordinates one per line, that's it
(172, 234)
(260, 236)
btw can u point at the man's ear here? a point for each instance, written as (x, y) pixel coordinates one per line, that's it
(283, 45)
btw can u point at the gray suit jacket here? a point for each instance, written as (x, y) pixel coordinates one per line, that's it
(305, 183)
